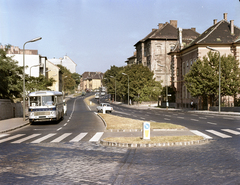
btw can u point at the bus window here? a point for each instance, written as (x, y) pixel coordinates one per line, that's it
(47, 100)
(35, 101)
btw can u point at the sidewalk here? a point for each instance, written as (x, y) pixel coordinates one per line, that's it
(12, 124)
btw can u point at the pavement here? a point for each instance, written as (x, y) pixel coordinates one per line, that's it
(15, 123)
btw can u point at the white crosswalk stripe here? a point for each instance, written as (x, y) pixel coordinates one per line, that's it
(219, 134)
(26, 138)
(3, 135)
(96, 137)
(78, 137)
(60, 138)
(43, 138)
(201, 134)
(11, 138)
(231, 131)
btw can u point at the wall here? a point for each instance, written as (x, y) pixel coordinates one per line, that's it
(9, 109)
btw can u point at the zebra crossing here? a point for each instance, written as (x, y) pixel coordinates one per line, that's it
(39, 138)
(223, 133)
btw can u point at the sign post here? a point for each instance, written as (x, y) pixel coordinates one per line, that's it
(146, 130)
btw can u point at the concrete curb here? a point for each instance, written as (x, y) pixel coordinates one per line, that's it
(130, 145)
(14, 128)
(102, 119)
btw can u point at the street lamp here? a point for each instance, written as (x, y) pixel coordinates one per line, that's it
(115, 86)
(128, 86)
(24, 106)
(219, 96)
(166, 85)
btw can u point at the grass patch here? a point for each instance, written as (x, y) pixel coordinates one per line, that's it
(157, 139)
(116, 122)
(87, 100)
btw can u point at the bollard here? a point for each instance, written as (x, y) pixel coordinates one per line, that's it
(104, 110)
(146, 130)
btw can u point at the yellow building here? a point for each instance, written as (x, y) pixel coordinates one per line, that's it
(91, 80)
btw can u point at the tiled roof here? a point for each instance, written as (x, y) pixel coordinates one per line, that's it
(170, 32)
(92, 75)
(219, 33)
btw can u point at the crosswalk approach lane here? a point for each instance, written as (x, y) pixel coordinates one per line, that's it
(21, 138)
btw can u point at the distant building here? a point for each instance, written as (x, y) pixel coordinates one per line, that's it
(35, 64)
(66, 62)
(132, 60)
(55, 73)
(91, 80)
(223, 36)
(152, 50)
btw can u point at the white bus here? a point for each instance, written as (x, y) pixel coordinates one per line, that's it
(45, 106)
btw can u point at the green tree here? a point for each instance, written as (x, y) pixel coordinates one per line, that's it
(38, 83)
(76, 78)
(203, 78)
(10, 77)
(68, 82)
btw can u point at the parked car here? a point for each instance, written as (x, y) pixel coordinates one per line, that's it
(96, 95)
(103, 93)
(107, 107)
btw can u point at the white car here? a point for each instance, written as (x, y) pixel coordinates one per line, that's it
(107, 107)
(103, 93)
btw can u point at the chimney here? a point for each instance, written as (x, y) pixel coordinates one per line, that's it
(180, 37)
(232, 26)
(173, 23)
(160, 25)
(214, 21)
(193, 29)
(225, 16)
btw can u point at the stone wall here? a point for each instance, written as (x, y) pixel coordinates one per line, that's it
(9, 109)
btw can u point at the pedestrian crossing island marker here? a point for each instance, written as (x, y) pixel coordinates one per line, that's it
(146, 130)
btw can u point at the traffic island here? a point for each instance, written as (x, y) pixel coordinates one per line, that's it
(116, 124)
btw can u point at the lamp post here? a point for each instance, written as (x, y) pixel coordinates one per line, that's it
(166, 85)
(128, 86)
(219, 96)
(24, 106)
(115, 86)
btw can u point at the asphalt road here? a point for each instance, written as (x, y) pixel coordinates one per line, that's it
(71, 160)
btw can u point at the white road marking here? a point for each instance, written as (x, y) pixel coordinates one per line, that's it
(96, 137)
(180, 117)
(43, 138)
(167, 119)
(231, 131)
(202, 118)
(201, 134)
(59, 129)
(212, 123)
(65, 124)
(219, 134)
(194, 120)
(3, 135)
(79, 137)
(60, 138)
(228, 118)
(12, 137)
(26, 138)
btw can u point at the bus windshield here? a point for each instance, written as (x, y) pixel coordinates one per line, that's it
(41, 100)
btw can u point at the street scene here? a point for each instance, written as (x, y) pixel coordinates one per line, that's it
(120, 92)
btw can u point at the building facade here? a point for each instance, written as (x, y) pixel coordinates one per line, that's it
(66, 61)
(152, 51)
(91, 80)
(223, 36)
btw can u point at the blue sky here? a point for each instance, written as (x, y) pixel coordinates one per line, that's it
(97, 34)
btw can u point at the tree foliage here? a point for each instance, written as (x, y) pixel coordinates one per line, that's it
(10, 77)
(203, 77)
(38, 83)
(68, 82)
(142, 86)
